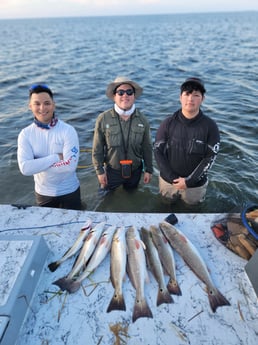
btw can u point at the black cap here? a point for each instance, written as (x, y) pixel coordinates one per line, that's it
(193, 83)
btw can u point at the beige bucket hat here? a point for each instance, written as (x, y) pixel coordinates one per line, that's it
(123, 80)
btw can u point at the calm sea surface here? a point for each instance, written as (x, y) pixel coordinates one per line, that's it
(77, 57)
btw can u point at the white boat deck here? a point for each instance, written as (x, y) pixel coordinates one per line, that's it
(55, 318)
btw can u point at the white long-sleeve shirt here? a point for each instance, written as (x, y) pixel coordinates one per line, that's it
(37, 155)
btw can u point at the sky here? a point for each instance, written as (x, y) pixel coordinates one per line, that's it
(10, 9)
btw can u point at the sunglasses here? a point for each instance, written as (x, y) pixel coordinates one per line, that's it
(35, 86)
(129, 92)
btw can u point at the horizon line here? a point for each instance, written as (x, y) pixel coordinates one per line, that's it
(128, 15)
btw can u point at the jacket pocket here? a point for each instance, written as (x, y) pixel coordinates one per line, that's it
(137, 134)
(197, 147)
(113, 136)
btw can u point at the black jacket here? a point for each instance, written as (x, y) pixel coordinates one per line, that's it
(186, 148)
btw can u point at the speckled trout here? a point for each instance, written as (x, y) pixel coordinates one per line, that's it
(76, 246)
(99, 254)
(167, 259)
(155, 266)
(118, 269)
(193, 259)
(137, 271)
(85, 253)
(87, 249)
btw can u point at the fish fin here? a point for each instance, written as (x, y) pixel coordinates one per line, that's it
(164, 297)
(143, 244)
(174, 288)
(117, 303)
(141, 309)
(53, 266)
(216, 299)
(67, 284)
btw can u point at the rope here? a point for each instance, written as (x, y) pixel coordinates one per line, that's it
(85, 166)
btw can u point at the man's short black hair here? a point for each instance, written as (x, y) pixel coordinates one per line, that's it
(38, 88)
(193, 84)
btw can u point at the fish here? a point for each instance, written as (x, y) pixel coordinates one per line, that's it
(103, 247)
(192, 258)
(167, 259)
(85, 253)
(137, 272)
(118, 258)
(76, 246)
(155, 266)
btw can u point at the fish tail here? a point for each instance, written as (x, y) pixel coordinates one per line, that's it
(164, 297)
(174, 288)
(67, 284)
(53, 266)
(216, 299)
(141, 309)
(117, 303)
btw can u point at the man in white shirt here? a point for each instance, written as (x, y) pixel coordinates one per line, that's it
(49, 150)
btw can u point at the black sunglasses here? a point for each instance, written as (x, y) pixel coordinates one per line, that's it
(129, 92)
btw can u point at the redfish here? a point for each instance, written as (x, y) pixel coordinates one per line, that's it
(137, 271)
(167, 259)
(193, 259)
(155, 266)
(102, 248)
(85, 253)
(118, 258)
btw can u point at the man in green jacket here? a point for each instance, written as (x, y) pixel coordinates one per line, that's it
(122, 146)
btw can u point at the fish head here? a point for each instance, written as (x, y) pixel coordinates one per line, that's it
(173, 232)
(87, 225)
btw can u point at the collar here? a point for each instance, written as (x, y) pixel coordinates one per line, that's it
(124, 112)
(52, 123)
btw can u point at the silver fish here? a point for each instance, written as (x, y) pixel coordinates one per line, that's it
(118, 269)
(155, 266)
(103, 247)
(167, 259)
(85, 253)
(137, 271)
(76, 246)
(193, 259)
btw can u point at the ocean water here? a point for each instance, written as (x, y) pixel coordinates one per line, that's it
(78, 57)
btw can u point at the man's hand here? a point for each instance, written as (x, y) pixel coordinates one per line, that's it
(179, 183)
(102, 180)
(147, 177)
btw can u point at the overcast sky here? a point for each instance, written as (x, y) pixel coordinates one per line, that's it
(64, 8)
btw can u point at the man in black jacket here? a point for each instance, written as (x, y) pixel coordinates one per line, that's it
(186, 146)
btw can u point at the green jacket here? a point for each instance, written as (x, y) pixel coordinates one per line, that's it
(108, 148)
